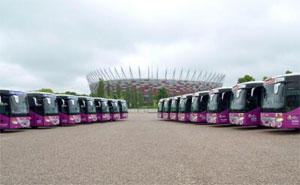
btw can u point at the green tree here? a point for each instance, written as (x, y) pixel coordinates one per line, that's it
(246, 78)
(162, 93)
(150, 97)
(265, 77)
(71, 93)
(108, 90)
(118, 91)
(46, 90)
(140, 98)
(288, 72)
(100, 90)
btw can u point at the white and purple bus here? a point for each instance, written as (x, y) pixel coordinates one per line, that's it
(102, 109)
(113, 109)
(218, 105)
(167, 109)
(43, 109)
(68, 108)
(174, 110)
(14, 110)
(160, 108)
(123, 109)
(199, 107)
(245, 104)
(185, 106)
(281, 102)
(87, 109)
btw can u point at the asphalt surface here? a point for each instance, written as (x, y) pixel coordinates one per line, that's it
(145, 150)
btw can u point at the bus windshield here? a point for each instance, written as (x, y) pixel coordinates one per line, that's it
(273, 96)
(238, 101)
(50, 105)
(174, 106)
(124, 107)
(213, 102)
(105, 108)
(195, 104)
(166, 106)
(115, 107)
(160, 107)
(91, 108)
(182, 105)
(19, 104)
(73, 106)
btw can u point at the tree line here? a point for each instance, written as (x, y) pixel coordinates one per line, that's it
(248, 78)
(134, 97)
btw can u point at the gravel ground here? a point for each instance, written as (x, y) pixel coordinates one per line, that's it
(146, 150)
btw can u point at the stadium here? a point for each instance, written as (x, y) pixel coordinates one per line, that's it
(175, 82)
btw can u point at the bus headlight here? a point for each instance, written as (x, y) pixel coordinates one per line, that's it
(278, 122)
(14, 121)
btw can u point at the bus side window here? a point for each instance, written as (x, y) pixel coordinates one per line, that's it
(226, 101)
(188, 105)
(292, 99)
(4, 106)
(60, 107)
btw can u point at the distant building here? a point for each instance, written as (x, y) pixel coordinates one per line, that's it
(179, 83)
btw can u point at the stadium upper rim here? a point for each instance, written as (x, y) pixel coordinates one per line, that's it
(107, 74)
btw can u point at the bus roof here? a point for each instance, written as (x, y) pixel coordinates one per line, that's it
(248, 85)
(98, 98)
(85, 98)
(11, 92)
(281, 78)
(201, 93)
(40, 94)
(220, 90)
(66, 96)
(113, 100)
(186, 95)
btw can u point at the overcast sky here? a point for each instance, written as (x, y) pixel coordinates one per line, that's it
(55, 43)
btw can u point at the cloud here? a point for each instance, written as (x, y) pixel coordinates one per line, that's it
(56, 43)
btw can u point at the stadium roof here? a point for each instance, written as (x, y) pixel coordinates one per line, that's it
(111, 74)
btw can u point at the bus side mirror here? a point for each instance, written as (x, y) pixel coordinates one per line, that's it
(0, 99)
(223, 94)
(252, 91)
(201, 98)
(35, 101)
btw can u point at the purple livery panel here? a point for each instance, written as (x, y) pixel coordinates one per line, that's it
(184, 117)
(43, 121)
(218, 118)
(160, 115)
(103, 116)
(14, 122)
(66, 119)
(124, 115)
(166, 115)
(92, 118)
(174, 116)
(281, 120)
(115, 116)
(198, 117)
(247, 119)
(88, 118)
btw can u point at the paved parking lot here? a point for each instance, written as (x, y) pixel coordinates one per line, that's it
(146, 150)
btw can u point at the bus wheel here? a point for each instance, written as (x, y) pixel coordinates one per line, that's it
(1, 130)
(34, 127)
